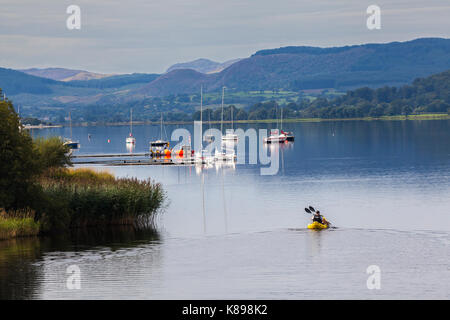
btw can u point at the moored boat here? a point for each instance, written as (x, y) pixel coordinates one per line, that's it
(73, 145)
(160, 148)
(275, 137)
(289, 135)
(229, 135)
(130, 139)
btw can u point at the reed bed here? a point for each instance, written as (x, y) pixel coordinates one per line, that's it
(85, 197)
(18, 223)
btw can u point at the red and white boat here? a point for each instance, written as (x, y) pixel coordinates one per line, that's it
(289, 135)
(275, 137)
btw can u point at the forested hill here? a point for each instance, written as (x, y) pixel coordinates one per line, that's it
(431, 94)
(424, 95)
(301, 68)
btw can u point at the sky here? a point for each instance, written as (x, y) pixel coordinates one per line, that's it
(148, 36)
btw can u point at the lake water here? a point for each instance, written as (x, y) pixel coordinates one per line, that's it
(384, 184)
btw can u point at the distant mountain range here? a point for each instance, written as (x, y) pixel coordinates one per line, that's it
(62, 74)
(287, 68)
(203, 65)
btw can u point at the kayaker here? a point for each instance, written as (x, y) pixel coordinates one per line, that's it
(317, 217)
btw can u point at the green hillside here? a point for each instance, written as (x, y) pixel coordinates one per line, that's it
(301, 68)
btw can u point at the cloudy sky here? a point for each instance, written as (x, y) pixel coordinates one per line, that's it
(118, 36)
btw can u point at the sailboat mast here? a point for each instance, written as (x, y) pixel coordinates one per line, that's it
(221, 120)
(70, 123)
(201, 115)
(281, 123)
(232, 117)
(131, 121)
(201, 104)
(209, 118)
(276, 115)
(161, 126)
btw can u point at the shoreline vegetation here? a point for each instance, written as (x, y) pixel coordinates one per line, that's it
(84, 197)
(18, 223)
(81, 198)
(40, 193)
(425, 116)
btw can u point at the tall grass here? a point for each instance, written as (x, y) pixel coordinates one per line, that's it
(18, 223)
(84, 197)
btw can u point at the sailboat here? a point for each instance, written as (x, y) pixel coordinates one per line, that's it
(73, 145)
(131, 139)
(227, 153)
(289, 135)
(275, 135)
(230, 135)
(202, 156)
(160, 147)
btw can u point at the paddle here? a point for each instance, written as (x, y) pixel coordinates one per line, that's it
(311, 210)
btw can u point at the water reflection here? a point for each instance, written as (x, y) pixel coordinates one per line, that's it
(218, 165)
(18, 274)
(130, 147)
(113, 237)
(22, 260)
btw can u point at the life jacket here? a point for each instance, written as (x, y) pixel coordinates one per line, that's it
(317, 218)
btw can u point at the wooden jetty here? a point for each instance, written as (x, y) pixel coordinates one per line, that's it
(111, 155)
(123, 159)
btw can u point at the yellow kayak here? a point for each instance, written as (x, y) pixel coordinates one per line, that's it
(317, 225)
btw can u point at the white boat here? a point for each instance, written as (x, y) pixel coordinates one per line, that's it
(230, 135)
(227, 153)
(203, 157)
(130, 139)
(275, 137)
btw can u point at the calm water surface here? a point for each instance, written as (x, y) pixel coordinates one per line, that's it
(385, 185)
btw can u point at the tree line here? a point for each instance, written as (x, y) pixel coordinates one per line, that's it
(424, 95)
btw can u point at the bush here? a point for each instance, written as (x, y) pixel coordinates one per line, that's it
(83, 197)
(17, 224)
(52, 153)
